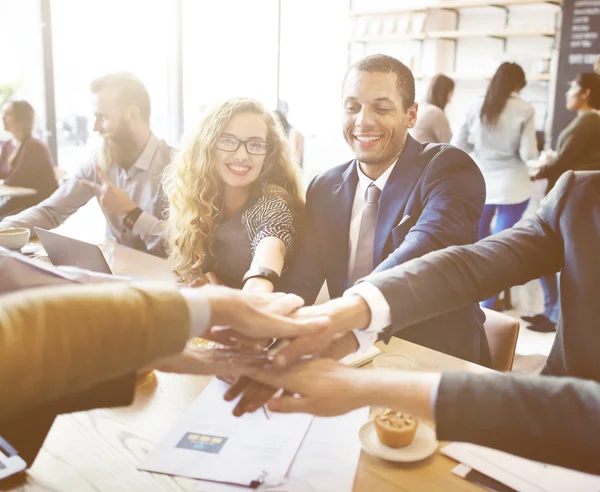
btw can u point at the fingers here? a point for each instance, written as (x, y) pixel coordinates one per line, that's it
(97, 189)
(226, 336)
(273, 379)
(290, 404)
(227, 379)
(188, 362)
(102, 175)
(212, 278)
(302, 347)
(268, 325)
(255, 396)
(284, 305)
(209, 278)
(236, 389)
(199, 282)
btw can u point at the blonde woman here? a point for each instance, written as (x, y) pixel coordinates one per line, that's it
(234, 197)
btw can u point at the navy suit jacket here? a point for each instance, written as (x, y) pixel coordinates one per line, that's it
(442, 191)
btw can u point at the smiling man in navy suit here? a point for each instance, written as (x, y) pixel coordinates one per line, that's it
(397, 200)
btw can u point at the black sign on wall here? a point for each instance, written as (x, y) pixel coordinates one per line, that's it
(579, 49)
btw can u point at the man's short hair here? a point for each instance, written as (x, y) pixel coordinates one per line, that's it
(129, 89)
(389, 64)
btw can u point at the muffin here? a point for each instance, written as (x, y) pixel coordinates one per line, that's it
(395, 429)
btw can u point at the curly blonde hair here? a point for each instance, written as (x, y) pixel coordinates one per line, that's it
(194, 187)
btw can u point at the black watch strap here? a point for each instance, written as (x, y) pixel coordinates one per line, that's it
(261, 272)
(132, 217)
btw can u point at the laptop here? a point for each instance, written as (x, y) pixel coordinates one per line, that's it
(66, 251)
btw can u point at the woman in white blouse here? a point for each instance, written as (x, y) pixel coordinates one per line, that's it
(432, 122)
(499, 133)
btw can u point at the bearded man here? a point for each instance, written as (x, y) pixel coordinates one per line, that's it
(125, 174)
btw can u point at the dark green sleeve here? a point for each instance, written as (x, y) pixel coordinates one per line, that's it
(573, 147)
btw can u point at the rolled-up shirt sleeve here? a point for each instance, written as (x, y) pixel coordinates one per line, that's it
(150, 228)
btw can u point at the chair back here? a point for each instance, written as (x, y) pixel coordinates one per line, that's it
(502, 332)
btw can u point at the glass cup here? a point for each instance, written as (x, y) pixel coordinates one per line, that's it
(395, 361)
(108, 250)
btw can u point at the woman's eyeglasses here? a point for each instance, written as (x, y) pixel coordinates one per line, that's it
(231, 144)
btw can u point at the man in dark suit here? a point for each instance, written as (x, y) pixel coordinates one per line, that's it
(551, 419)
(398, 200)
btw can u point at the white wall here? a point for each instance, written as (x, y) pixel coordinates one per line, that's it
(314, 58)
(475, 56)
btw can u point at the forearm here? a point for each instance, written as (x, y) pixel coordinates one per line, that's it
(95, 333)
(270, 253)
(408, 392)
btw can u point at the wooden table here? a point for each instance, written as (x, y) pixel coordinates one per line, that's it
(14, 191)
(98, 451)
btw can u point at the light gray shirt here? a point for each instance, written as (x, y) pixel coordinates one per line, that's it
(142, 182)
(432, 125)
(502, 150)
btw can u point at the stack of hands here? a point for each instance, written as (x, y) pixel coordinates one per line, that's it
(245, 326)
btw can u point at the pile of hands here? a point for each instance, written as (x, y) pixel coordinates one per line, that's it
(268, 342)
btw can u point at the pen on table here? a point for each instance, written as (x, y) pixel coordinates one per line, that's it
(264, 407)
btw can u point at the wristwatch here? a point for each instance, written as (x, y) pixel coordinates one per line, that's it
(261, 272)
(132, 217)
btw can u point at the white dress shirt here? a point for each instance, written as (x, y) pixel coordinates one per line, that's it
(380, 310)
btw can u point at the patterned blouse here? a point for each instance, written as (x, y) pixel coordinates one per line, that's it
(236, 239)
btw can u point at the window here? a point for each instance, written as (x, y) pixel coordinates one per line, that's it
(22, 67)
(94, 38)
(229, 50)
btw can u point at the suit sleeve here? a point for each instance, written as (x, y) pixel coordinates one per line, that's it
(554, 420)
(57, 341)
(305, 275)
(446, 280)
(453, 199)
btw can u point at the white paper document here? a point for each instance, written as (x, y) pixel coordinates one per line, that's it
(326, 462)
(209, 443)
(519, 473)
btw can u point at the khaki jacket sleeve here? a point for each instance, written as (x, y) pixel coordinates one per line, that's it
(60, 340)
